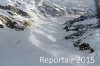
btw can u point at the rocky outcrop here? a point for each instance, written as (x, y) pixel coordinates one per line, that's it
(14, 10)
(79, 29)
(11, 24)
(52, 10)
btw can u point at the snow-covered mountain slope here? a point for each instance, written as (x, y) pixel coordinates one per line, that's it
(19, 13)
(34, 28)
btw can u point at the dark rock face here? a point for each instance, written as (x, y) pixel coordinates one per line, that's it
(80, 19)
(1, 26)
(78, 28)
(47, 9)
(11, 24)
(15, 10)
(85, 46)
(10, 13)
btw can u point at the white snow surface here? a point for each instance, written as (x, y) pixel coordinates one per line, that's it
(24, 48)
